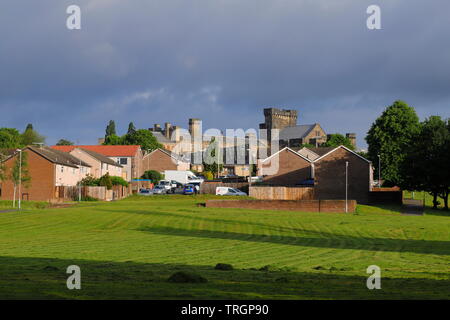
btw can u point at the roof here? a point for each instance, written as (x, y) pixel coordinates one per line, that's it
(296, 132)
(173, 155)
(58, 157)
(106, 150)
(321, 150)
(161, 138)
(345, 148)
(99, 157)
(287, 149)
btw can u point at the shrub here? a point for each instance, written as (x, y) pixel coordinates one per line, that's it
(223, 266)
(90, 181)
(118, 181)
(153, 175)
(105, 181)
(208, 175)
(186, 277)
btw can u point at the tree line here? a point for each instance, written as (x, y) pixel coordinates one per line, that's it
(414, 155)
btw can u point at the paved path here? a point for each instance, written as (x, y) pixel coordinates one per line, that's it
(412, 207)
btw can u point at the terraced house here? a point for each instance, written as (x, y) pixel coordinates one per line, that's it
(47, 169)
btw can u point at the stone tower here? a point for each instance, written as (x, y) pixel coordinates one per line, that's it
(352, 138)
(278, 119)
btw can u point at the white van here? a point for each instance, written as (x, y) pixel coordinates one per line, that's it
(227, 191)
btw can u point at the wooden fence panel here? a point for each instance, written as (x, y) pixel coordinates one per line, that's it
(282, 193)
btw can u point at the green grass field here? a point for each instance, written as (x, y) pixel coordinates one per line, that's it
(128, 249)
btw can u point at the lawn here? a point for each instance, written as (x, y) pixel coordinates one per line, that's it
(128, 249)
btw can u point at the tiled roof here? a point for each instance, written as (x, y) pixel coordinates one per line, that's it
(100, 157)
(59, 157)
(161, 138)
(108, 151)
(321, 150)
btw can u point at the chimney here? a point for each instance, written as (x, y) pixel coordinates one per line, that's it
(156, 127)
(352, 138)
(167, 127)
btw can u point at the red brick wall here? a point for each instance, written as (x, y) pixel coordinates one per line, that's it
(330, 177)
(291, 169)
(287, 205)
(158, 161)
(42, 173)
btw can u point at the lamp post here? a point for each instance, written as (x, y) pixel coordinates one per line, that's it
(346, 186)
(20, 176)
(379, 171)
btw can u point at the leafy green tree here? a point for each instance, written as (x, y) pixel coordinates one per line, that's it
(89, 181)
(64, 142)
(9, 138)
(153, 175)
(215, 166)
(144, 138)
(31, 136)
(19, 173)
(114, 140)
(427, 159)
(389, 136)
(131, 129)
(336, 140)
(110, 129)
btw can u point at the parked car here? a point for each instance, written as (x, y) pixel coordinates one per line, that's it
(227, 191)
(145, 192)
(159, 190)
(167, 185)
(189, 189)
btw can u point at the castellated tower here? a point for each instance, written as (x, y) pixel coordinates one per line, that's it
(278, 119)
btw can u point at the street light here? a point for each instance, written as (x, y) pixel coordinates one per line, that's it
(20, 176)
(379, 171)
(346, 186)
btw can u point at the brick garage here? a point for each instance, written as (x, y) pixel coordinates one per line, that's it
(161, 160)
(285, 168)
(329, 175)
(42, 184)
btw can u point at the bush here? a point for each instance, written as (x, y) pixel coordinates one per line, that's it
(118, 181)
(186, 277)
(90, 181)
(208, 175)
(153, 175)
(223, 266)
(105, 181)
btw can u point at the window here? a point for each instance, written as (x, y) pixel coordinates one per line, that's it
(123, 161)
(62, 169)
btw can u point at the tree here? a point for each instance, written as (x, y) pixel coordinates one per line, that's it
(64, 142)
(105, 181)
(19, 172)
(389, 136)
(131, 129)
(336, 140)
(110, 129)
(113, 140)
(153, 175)
(144, 138)
(30, 136)
(214, 163)
(9, 138)
(208, 175)
(426, 165)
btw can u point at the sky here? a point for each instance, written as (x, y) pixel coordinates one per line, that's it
(223, 61)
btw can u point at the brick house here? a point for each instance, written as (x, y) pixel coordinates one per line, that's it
(161, 160)
(329, 175)
(100, 164)
(286, 168)
(48, 169)
(128, 156)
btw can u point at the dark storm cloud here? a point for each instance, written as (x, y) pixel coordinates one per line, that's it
(222, 61)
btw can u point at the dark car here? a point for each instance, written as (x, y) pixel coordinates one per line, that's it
(188, 189)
